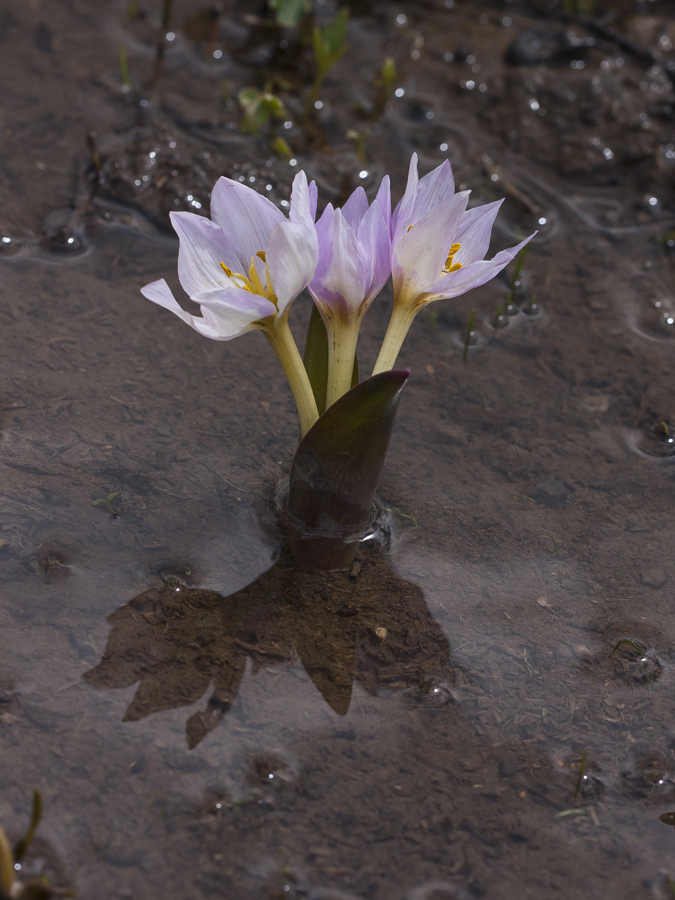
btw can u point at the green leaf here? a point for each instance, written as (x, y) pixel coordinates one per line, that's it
(288, 13)
(316, 358)
(329, 41)
(23, 845)
(274, 105)
(282, 148)
(336, 470)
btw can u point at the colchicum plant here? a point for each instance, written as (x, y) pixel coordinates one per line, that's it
(246, 265)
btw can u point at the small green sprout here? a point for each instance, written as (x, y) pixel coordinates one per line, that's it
(358, 138)
(10, 861)
(259, 107)
(556, 548)
(671, 885)
(329, 43)
(582, 770)
(640, 650)
(388, 75)
(634, 644)
(289, 13)
(520, 259)
(282, 148)
(582, 7)
(107, 502)
(161, 42)
(132, 10)
(124, 68)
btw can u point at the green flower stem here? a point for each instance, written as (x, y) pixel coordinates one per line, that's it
(399, 325)
(342, 340)
(280, 337)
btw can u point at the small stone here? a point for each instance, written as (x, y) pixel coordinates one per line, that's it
(543, 601)
(452, 434)
(381, 633)
(653, 576)
(553, 493)
(595, 403)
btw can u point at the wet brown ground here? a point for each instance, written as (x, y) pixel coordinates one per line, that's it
(447, 718)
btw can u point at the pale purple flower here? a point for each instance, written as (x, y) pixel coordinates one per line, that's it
(438, 250)
(245, 265)
(438, 245)
(354, 263)
(354, 254)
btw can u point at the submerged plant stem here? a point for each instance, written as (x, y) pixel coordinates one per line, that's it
(281, 339)
(6, 864)
(342, 340)
(399, 325)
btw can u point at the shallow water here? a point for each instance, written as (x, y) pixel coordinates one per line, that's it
(483, 708)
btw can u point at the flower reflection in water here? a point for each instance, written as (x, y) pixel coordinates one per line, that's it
(375, 629)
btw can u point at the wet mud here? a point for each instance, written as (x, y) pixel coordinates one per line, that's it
(483, 705)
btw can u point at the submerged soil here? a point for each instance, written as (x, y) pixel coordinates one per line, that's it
(484, 706)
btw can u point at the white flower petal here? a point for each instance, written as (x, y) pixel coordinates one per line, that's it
(475, 231)
(246, 219)
(355, 208)
(404, 208)
(418, 255)
(301, 206)
(384, 199)
(234, 312)
(292, 255)
(313, 199)
(160, 293)
(475, 274)
(202, 249)
(435, 188)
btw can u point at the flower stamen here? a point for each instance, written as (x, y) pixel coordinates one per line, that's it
(241, 281)
(449, 265)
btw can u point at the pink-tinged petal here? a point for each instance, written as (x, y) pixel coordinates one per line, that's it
(301, 208)
(233, 312)
(384, 200)
(323, 224)
(403, 212)
(375, 248)
(339, 280)
(355, 208)
(246, 219)
(475, 274)
(313, 199)
(292, 255)
(202, 249)
(435, 188)
(419, 255)
(160, 293)
(474, 232)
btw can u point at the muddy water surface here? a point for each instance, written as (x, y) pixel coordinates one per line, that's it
(484, 707)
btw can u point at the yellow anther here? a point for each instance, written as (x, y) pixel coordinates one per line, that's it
(409, 227)
(262, 255)
(449, 265)
(226, 270)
